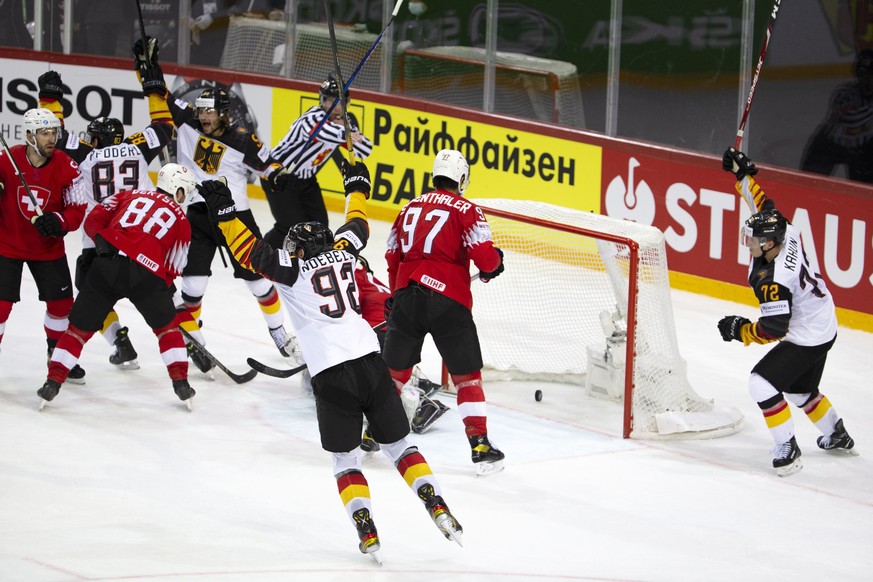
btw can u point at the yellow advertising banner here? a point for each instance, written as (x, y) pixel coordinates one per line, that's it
(504, 163)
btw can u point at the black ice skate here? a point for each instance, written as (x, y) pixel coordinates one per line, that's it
(124, 355)
(427, 413)
(487, 458)
(369, 539)
(203, 363)
(48, 392)
(839, 441)
(440, 514)
(368, 445)
(184, 391)
(786, 458)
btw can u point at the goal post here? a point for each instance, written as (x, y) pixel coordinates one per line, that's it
(585, 299)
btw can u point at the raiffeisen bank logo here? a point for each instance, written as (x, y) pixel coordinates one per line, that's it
(629, 198)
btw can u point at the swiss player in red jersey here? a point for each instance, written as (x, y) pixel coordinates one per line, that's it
(142, 240)
(33, 224)
(430, 246)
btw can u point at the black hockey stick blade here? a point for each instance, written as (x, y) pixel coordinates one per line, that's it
(238, 378)
(274, 372)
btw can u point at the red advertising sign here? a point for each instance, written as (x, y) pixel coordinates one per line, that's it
(700, 213)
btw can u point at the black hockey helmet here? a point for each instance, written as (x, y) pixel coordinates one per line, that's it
(106, 130)
(330, 89)
(313, 237)
(216, 98)
(765, 225)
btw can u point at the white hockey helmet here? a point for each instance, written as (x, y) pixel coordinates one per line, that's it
(453, 165)
(171, 177)
(40, 118)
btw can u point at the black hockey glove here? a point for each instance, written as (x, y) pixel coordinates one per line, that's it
(738, 164)
(389, 305)
(278, 178)
(145, 56)
(355, 178)
(50, 86)
(50, 225)
(487, 276)
(730, 327)
(103, 247)
(153, 82)
(218, 198)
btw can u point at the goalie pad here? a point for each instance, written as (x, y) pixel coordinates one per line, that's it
(427, 414)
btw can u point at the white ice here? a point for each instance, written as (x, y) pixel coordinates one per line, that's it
(115, 480)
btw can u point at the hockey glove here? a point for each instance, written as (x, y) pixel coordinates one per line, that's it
(103, 247)
(730, 327)
(218, 198)
(389, 305)
(50, 87)
(145, 56)
(487, 276)
(278, 178)
(738, 164)
(50, 225)
(152, 80)
(355, 178)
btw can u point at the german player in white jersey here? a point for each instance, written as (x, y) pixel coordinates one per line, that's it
(296, 196)
(797, 310)
(315, 273)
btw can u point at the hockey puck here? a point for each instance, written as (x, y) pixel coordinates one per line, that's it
(538, 395)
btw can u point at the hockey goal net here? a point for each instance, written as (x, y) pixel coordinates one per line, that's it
(585, 299)
(525, 86)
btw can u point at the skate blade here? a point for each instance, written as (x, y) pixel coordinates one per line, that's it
(375, 556)
(853, 452)
(77, 381)
(190, 404)
(42, 403)
(485, 469)
(128, 365)
(791, 469)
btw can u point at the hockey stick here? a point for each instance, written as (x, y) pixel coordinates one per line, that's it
(21, 176)
(348, 84)
(274, 372)
(339, 77)
(770, 24)
(238, 378)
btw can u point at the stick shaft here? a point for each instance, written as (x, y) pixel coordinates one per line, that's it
(754, 85)
(21, 176)
(348, 84)
(339, 78)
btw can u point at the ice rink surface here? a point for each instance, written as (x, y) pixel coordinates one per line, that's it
(116, 480)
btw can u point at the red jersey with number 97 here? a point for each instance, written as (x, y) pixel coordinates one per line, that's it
(149, 227)
(432, 242)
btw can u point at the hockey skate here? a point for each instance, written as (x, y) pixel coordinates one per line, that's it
(427, 387)
(203, 363)
(786, 458)
(48, 392)
(427, 413)
(369, 539)
(288, 345)
(184, 391)
(124, 355)
(368, 445)
(440, 514)
(839, 441)
(486, 457)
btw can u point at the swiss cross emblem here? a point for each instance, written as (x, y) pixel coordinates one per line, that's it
(26, 205)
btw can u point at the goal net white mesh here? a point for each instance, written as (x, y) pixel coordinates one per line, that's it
(258, 45)
(525, 86)
(560, 312)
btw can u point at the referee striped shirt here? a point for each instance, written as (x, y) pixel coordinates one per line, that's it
(330, 136)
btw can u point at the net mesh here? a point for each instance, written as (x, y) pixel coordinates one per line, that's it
(562, 294)
(258, 45)
(525, 86)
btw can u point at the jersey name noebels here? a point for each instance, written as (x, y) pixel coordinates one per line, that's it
(324, 259)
